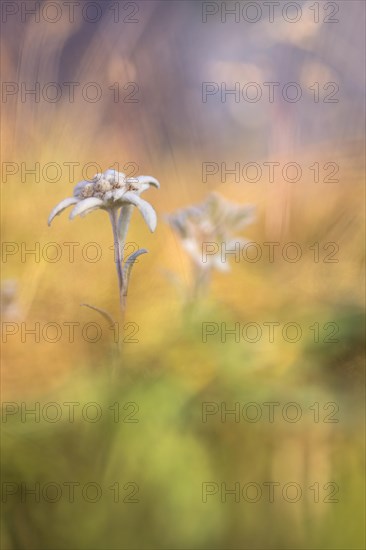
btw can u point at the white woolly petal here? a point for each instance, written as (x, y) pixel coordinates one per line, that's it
(118, 194)
(144, 182)
(61, 207)
(147, 211)
(124, 220)
(193, 249)
(191, 246)
(85, 206)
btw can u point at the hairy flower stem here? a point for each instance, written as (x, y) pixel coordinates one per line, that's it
(201, 281)
(197, 291)
(118, 261)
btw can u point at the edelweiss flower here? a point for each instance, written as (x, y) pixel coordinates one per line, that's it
(215, 221)
(112, 191)
(109, 191)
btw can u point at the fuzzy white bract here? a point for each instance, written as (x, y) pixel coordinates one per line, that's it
(110, 191)
(216, 221)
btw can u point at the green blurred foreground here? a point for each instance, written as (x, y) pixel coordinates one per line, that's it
(152, 462)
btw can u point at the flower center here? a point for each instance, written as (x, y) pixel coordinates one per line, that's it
(103, 187)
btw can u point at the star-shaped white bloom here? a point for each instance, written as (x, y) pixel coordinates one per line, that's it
(215, 221)
(110, 191)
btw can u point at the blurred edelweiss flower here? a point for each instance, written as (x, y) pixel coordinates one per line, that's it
(214, 222)
(109, 191)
